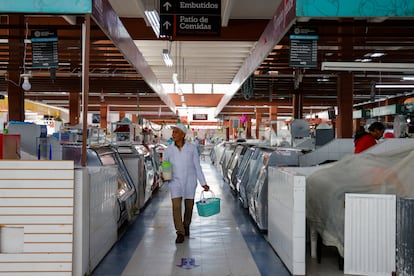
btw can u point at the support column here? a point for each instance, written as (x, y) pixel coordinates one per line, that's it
(134, 118)
(345, 85)
(231, 129)
(297, 112)
(86, 39)
(227, 129)
(273, 117)
(249, 128)
(74, 108)
(345, 103)
(258, 123)
(389, 119)
(356, 125)
(16, 52)
(103, 111)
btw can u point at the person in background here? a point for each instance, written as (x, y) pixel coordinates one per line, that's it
(364, 140)
(197, 143)
(389, 135)
(186, 170)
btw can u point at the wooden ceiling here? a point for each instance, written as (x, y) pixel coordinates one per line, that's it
(115, 81)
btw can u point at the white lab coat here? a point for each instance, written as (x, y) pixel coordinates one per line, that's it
(186, 170)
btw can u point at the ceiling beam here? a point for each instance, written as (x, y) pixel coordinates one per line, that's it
(225, 16)
(273, 33)
(111, 25)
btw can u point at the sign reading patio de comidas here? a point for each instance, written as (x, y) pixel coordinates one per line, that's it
(190, 17)
(198, 25)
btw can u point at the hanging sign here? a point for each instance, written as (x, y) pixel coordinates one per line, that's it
(200, 116)
(184, 17)
(44, 49)
(304, 48)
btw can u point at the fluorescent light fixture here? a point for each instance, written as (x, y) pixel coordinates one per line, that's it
(363, 60)
(324, 79)
(374, 55)
(154, 20)
(368, 66)
(167, 58)
(175, 78)
(408, 78)
(179, 90)
(394, 86)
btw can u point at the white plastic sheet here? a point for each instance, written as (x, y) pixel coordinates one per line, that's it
(391, 172)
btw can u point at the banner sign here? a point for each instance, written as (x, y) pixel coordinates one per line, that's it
(46, 6)
(354, 8)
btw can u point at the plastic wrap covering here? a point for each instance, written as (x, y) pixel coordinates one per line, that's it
(383, 173)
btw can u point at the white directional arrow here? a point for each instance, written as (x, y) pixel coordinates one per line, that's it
(167, 24)
(167, 5)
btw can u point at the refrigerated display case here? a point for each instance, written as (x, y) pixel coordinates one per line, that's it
(234, 163)
(104, 155)
(243, 168)
(122, 133)
(247, 176)
(135, 164)
(257, 191)
(149, 170)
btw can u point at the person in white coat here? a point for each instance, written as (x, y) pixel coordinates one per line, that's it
(186, 170)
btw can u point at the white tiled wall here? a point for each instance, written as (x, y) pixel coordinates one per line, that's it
(95, 216)
(36, 216)
(287, 217)
(103, 218)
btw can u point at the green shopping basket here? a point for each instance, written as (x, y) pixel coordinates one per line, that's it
(208, 206)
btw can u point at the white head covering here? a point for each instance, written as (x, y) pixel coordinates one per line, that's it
(181, 127)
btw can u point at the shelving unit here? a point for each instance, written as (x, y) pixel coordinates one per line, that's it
(122, 133)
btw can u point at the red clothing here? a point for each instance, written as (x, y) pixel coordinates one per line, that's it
(364, 142)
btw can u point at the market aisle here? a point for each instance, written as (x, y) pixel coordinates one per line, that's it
(224, 244)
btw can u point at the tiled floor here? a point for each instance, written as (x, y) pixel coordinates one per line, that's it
(225, 244)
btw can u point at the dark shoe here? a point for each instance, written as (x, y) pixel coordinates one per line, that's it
(180, 238)
(187, 231)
